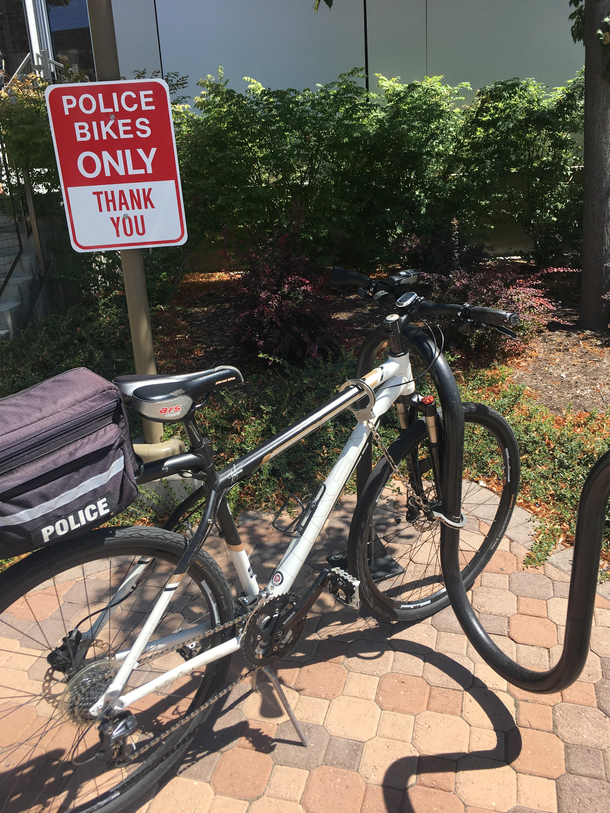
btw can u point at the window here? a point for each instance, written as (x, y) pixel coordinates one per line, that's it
(14, 46)
(69, 24)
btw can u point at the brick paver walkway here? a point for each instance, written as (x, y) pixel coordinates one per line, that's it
(408, 718)
(401, 719)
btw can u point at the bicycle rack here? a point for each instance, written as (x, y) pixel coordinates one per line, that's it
(581, 599)
(587, 544)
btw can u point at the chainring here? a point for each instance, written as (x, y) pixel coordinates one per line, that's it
(260, 647)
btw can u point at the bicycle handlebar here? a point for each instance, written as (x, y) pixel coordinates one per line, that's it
(488, 316)
(382, 291)
(342, 276)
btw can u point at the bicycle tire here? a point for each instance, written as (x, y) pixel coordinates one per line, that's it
(45, 596)
(412, 542)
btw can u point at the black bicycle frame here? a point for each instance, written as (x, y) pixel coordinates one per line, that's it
(218, 483)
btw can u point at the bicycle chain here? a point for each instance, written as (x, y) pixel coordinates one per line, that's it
(161, 737)
(184, 720)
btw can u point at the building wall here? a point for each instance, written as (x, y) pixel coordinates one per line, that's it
(283, 43)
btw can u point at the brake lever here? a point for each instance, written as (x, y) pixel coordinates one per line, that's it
(506, 331)
(468, 327)
(377, 294)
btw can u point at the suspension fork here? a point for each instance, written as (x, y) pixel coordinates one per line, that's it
(428, 408)
(423, 345)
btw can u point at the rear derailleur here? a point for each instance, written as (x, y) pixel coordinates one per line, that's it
(114, 734)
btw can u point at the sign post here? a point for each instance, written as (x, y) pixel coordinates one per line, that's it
(116, 154)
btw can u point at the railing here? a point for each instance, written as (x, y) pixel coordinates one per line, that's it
(43, 65)
(12, 221)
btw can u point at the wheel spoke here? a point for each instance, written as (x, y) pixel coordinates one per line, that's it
(47, 731)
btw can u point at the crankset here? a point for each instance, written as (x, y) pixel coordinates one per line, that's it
(276, 625)
(269, 636)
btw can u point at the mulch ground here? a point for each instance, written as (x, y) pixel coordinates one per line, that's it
(196, 331)
(567, 367)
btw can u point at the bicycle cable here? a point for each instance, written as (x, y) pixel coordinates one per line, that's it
(437, 354)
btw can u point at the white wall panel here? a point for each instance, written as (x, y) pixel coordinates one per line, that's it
(283, 43)
(136, 36)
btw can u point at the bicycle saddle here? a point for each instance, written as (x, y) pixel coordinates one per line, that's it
(171, 397)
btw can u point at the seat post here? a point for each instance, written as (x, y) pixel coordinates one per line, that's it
(202, 447)
(196, 439)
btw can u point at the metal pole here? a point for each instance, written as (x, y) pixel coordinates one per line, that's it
(103, 40)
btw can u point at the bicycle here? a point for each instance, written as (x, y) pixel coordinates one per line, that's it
(121, 639)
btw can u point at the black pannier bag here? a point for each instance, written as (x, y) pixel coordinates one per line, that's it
(66, 460)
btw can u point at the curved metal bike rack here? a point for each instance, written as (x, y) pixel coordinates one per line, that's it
(581, 599)
(587, 545)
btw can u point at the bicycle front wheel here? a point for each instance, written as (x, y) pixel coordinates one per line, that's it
(394, 541)
(61, 646)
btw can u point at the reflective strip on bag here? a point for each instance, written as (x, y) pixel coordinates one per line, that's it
(93, 484)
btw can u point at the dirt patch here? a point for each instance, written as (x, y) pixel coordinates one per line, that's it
(567, 366)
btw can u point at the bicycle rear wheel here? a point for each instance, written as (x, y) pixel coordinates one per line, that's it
(394, 541)
(48, 740)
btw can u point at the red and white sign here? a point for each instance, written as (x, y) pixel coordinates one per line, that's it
(116, 153)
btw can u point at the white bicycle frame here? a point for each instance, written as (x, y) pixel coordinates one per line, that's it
(388, 381)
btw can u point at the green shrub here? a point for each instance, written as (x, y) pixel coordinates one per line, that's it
(26, 132)
(385, 177)
(377, 177)
(360, 167)
(519, 160)
(251, 159)
(96, 337)
(557, 453)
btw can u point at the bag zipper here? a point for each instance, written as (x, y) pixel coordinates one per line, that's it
(76, 429)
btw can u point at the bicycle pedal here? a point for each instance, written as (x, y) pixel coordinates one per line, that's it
(344, 588)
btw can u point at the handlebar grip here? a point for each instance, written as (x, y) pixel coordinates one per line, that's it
(491, 316)
(341, 276)
(438, 309)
